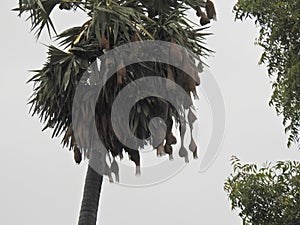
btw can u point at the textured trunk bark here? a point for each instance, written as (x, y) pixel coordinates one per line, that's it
(91, 196)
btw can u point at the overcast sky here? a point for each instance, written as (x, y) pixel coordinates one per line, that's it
(40, 183)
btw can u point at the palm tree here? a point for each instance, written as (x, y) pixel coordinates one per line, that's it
(113, 23)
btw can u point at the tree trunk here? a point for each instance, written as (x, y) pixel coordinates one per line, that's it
(91, 196)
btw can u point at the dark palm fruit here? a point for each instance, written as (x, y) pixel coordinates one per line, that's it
(135, 157)
(152, 13)
(169, 151)
(138, 170)
(104, 44)
(117, 148)
(121, 73)
(160, 151)
(175, 54)
(196, 78)
(191, 74)
(184, 153)
(170, 76)
(191, 86)
(195, 73)
(190, 83)
(121, 155)
(198, 11)
(200, 68)
(193, 146)
(210, 10)
(134, 37)
(77, 155)
(65, 5)
(204, 19)
(108, 62)
(195, 154)
(182, 129)
(171, 139)
(188, 67)
(195, 94)
(191, 117)
(181, 79)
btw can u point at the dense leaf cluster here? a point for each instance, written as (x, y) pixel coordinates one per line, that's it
(269, 195)
(110, 24)
(279, 23)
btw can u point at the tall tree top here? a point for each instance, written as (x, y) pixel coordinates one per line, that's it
(279, 36)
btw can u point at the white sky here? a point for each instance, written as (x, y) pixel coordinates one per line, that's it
(40, 183)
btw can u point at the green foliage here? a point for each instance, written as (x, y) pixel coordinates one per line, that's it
(110, 24)
(280, 38)
(269, 195)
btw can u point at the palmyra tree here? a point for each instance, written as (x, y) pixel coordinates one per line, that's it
(111, 24)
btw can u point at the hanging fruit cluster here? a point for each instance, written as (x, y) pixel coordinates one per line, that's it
(209, 15)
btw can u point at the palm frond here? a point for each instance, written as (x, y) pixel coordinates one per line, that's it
(39, 13)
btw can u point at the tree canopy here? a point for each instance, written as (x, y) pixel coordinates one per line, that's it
(279, 36)
(268, 195)
(112, 23)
